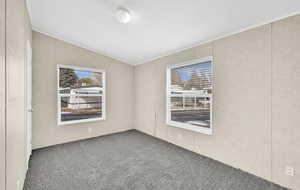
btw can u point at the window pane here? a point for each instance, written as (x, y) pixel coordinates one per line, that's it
(176, 103)
(192, 77)
(81, 107)
(191, 110)
(79, 81)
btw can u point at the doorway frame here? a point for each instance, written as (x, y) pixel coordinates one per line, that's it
(28, 101)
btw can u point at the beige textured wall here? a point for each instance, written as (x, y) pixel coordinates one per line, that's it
(47, 53)
(2, 94)
(286, 100)
(255, 103)
(18, 31)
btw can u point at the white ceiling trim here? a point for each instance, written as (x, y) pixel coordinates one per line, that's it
(214, 39)
(78, 44)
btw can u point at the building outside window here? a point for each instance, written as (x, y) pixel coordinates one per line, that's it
(81, 95)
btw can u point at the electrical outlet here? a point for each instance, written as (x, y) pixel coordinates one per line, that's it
(90, 130)
(289, 171)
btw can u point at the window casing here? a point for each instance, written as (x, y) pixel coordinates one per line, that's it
(189, 95)
(80, 95)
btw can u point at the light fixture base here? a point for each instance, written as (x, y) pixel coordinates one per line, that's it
(123, 15)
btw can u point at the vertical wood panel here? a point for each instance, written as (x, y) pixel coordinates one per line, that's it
(15, 91)
(2, 94)
(286, 100)
(242, 91)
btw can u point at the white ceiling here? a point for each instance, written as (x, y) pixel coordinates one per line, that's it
(158, 28)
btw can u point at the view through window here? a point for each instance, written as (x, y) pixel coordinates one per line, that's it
(189, 98)
(80, 95)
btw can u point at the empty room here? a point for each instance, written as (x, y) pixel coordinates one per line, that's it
(149, 95)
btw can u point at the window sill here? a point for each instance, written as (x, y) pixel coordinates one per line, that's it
(207, 131)
(80, 121)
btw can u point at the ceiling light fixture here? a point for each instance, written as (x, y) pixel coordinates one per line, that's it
(123, 15)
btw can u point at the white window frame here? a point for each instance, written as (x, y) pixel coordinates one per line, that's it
(61, 123)
(187, 126)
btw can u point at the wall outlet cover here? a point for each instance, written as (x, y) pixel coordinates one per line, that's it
(289, 171)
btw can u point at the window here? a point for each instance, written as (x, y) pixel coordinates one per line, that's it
(189, 95)
(81, 95)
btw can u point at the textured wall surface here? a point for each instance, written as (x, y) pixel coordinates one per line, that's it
(47, 54)
(286, 100)
(18, 32)
(2, 94)
(255, 103)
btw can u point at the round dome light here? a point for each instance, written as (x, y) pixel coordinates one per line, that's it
(123, 15)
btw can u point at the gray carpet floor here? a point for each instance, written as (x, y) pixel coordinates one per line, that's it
(132, 161)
